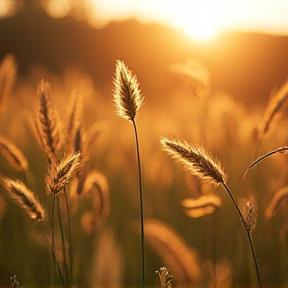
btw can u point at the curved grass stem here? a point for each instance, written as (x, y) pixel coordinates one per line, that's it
(247, 232)
(141, 204)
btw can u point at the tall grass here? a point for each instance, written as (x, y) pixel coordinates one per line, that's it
(128, 100)
(78, 190)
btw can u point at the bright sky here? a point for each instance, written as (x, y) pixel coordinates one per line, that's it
(199, 18)
(202, 18)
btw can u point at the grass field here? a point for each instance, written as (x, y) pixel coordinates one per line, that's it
(62, 140)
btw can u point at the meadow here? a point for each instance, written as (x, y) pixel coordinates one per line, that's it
(61, 138)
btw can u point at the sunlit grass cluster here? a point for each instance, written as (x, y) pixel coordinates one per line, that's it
(92, 200)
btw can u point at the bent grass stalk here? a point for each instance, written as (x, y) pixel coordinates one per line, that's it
(248, 232)
(278, 150)
(201, 164)
(128, 100)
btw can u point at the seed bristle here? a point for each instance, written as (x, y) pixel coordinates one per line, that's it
(127, 96)
(196, 160)
(23, 197)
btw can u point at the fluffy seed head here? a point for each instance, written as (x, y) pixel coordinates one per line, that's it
(59, 175)
(196, 160)
(165, 277)
(24, 198)
(47, 127)
(248, 209)
(127, 96)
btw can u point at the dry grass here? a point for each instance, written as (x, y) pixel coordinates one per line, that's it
(24, 198)
(182, 260)
(182, 246)
(13, 155)
(196, 160)
(127, 96)
(47, 123)
(59, 174)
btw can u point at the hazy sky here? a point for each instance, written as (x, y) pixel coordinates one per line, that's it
(204, 16)
(199, 18)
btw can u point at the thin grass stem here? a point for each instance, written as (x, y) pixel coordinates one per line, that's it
(56, 262)
(69, 235)
(63, 243)
(247, 232)
(141, 204)
(53, 237)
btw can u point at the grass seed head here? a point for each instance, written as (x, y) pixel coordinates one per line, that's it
(24, 198)
(196, 160)
(47, 127)
(248, 209)
(59, 175)
(13, 155)
(127, 96)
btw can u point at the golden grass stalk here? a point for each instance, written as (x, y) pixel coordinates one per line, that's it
(203, 205)
(8, 73)
(127, 96)
(278, 197)
(24, 198)
(47, 124)
(278, 99)
(128, 100)
(59, 175)
(283, 149)
(171, 247)
(13, 155)
(196, 160)
(96, 186)
(74, 116)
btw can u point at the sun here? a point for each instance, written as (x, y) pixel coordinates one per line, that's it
(200, 25)
(200, 32)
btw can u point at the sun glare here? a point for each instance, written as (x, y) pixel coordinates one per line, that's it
(200, 19)
(197, 28)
